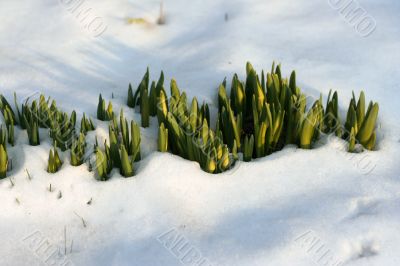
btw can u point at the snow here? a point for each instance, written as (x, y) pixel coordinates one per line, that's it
(267, 212)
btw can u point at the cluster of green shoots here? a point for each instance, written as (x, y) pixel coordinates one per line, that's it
(122, 150)
(361, 124)
(43, 113)
(9, 118)
(146, 97)
(103, 113)
(264, 113)
(183, 130)
(259, 116)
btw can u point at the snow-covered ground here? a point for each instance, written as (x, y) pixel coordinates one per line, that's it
(295, 207)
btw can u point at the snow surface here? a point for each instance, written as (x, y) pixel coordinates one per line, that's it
(291, 208)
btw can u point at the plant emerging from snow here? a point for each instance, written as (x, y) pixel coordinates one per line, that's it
(103, 113)
(184, 130)
(3, 161)
(78, 150)
(123, 149)
(261, 115)
(54, 162)
(86, 124)
(361, 125)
